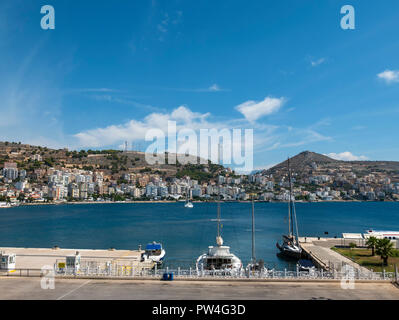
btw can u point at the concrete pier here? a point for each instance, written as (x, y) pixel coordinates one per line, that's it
(36, 258)
(319, 251)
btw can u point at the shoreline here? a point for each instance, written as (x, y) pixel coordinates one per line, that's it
(170, 201)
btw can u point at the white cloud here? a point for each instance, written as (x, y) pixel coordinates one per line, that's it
(317, 62)
(214, 88)
(389, 76)
(136, 129)
(253, 110)
(345, 156)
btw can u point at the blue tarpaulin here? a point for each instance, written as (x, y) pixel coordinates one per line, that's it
(153, 246)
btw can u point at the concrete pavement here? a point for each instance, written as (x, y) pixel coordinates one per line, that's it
(30, 288)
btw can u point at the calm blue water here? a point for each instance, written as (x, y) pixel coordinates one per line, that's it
(185, 233)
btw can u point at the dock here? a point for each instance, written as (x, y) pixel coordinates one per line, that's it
(319, 251)
(37, 258)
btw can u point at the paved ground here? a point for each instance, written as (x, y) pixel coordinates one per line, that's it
(29, 288)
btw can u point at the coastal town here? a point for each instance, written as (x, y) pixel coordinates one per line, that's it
(32, 175)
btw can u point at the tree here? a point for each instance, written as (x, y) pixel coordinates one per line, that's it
(384, 248)
(352, 245)
(372, 244)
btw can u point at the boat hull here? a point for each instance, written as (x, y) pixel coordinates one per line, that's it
(289, 252)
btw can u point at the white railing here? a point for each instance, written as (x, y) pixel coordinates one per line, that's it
(131, 272)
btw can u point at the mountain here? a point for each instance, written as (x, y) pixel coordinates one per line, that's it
(311, 163)
(303, 161)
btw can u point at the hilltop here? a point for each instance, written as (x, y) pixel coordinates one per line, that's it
(308, 163)
(111, 162)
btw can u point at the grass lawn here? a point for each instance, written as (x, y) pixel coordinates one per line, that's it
(364, 258)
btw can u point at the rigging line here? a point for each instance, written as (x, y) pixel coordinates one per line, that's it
(289, 200)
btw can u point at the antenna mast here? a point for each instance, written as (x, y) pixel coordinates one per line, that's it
(289, 199)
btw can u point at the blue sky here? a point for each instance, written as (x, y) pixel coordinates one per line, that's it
(112, 69)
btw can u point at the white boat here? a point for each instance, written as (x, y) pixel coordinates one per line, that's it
(155, 252)
(188, 203)
(391, 235)
(290, 247)
(5, 205)
(219, 259)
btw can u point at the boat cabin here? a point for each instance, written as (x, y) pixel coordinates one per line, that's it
(153, 249)
(218, 263)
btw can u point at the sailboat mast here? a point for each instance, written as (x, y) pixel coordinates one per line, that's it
(289, 200)
(253, 231)
(218, 210)
(218, 218)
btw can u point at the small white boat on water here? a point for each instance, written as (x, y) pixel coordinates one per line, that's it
(188, 203)
(155, 252)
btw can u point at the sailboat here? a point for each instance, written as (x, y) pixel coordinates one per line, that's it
(188, 203)
(254, 265)
(219, 258)
(290, 246)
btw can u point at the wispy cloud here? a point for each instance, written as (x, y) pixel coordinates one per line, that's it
(346, 156)
(317, 62)
(167, 22)
(125, 101)
(389, 76)
(213, 88)
(253, 110)
(85, 90)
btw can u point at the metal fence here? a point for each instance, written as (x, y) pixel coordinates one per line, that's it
(130, 272)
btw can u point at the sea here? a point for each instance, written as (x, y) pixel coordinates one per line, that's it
(186, 233)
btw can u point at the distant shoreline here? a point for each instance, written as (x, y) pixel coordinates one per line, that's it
(169, 201)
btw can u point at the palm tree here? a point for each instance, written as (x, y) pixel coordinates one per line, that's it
(372, 244)
(384, 248)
